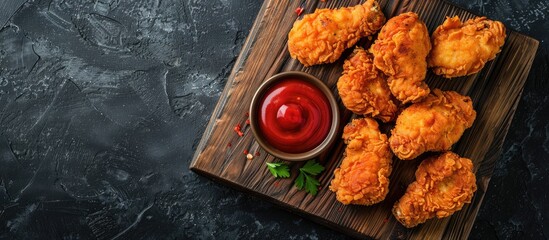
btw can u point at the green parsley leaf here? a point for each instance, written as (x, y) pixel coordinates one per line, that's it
(306, 177)
(312, 167)
(279, 169)
(300, 181)
(311, 185)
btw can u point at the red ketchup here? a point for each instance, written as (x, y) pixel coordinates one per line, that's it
(295, 116)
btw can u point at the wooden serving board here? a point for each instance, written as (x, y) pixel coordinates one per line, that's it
(220, 155)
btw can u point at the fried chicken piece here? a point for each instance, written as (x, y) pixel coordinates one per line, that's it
(461, 49)
(363, 176)
(400, 52)
(443, 185)
(321, 37)
(363, 89)
(434, 124)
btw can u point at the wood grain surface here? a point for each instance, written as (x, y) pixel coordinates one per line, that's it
(220, 155)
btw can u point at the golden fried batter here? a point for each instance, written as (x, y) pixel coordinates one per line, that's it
(363, 177)
(461, 49)
(443, 185)
(321, 37)
(434, 124)
(363, 89)
(400, 51)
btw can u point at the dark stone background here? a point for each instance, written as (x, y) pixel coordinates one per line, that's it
(103, 102)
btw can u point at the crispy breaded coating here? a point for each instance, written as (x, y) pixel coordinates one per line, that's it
(400, 52)
(363, 176)
(443, 185)
(363, 89)
(434, 124)
(461, 49)
(322, 36)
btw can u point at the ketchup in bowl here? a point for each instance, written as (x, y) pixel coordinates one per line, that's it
(294, 115)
